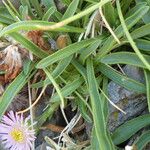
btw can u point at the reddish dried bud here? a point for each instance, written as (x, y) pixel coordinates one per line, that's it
(62, 41)
(36, 38)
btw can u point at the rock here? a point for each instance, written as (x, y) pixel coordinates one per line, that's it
(133, 105)
(1, 147)
(134, 73)
(44, 133)
(131, 102)
(42, 146)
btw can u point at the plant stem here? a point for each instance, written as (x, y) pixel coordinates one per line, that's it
(77, 16)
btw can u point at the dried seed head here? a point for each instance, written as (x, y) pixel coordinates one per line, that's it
(36, 38)
(62, 41)
(11, 62)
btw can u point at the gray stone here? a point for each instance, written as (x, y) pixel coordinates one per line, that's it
(1, 147)
(134, 73)
(42, 146)
(129, 101)
(133, 105)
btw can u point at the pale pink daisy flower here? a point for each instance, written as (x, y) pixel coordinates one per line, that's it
(15, 132)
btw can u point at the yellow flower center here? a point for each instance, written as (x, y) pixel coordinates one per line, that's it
(17, 135)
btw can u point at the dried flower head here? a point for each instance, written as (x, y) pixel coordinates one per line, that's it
(36, 38)
(11, 63)
(15, 133)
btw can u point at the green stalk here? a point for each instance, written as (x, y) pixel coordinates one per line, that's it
(130, 38)
(77, 16)
(56, 87)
